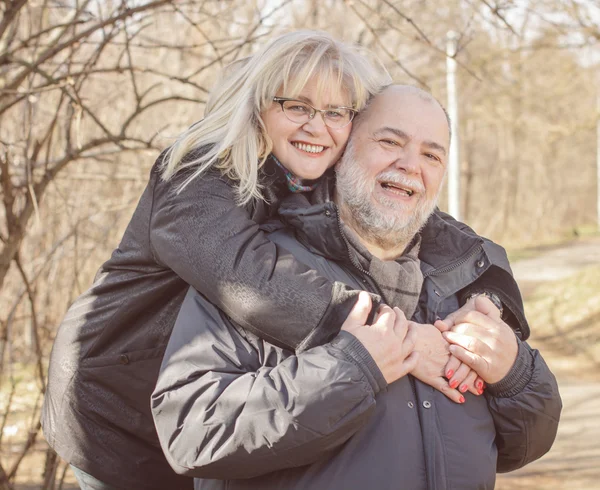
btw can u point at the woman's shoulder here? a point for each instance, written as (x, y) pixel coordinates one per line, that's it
(186, 173)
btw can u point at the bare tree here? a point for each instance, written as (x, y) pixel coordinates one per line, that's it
(91, 91)
(85, 90)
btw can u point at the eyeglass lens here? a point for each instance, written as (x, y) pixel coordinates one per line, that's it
(299, 112)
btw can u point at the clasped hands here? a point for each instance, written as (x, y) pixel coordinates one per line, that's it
(461, 353)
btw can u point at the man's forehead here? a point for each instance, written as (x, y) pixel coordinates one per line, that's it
(408, 112)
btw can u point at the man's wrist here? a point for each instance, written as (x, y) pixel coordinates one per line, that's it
(492, 297)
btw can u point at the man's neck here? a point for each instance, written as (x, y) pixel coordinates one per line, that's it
(383, 253)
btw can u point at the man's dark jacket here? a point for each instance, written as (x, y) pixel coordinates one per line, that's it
(240, 413)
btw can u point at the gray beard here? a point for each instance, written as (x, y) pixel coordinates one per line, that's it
(386, 229)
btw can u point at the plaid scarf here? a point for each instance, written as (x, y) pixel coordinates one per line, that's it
(295, 184)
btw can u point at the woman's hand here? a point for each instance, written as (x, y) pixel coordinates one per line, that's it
(389, 339)
(460, 375)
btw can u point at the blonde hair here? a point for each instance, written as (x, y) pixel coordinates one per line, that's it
(232, 136)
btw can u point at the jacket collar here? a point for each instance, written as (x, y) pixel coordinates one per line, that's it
(273, 180)
(315, 219)
(446, 242)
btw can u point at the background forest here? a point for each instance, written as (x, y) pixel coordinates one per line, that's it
(91, 91)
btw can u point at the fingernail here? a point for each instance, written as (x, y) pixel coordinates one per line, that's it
(479, 385)
(454, 384)
(461, 399)
(480, 391)
(464, 388)
(449, 373)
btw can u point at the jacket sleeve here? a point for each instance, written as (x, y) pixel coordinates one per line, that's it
(526, 408)
(213, 244)
(227, 405)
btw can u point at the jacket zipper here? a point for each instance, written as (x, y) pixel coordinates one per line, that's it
(443, 270)
(456, 264)
(376, 287)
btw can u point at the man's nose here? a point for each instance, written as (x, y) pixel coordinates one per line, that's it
(408, 161)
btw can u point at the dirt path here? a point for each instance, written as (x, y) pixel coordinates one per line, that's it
(574, 461)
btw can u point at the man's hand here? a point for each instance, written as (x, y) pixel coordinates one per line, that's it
(434, 354)
(389, 340)
(483, 341)
(452, 318)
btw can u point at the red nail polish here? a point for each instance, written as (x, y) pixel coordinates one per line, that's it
(461, 399)
(479, 385)
(480, 391)
(464, 388)
(449, 373)
(454, 384)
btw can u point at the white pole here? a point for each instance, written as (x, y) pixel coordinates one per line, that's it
(598, 160)
(453, 158)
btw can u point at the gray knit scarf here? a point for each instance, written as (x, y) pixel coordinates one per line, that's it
(399, 280)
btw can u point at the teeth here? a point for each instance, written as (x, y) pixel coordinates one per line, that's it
(309, 148)
(388, 185)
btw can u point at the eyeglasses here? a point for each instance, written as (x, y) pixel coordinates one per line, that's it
(300, 113)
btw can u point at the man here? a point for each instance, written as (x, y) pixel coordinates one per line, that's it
(355, 413)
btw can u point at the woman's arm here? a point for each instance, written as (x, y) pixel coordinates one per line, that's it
(228, 405)
(215, 246)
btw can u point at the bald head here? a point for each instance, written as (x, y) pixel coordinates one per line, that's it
(398, 92)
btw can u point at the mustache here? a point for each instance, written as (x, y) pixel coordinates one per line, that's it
(401, 179)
